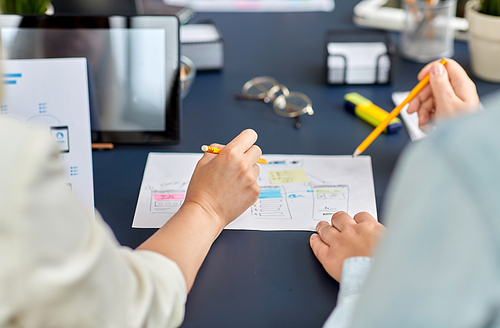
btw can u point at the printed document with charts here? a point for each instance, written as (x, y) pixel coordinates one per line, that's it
(52, 94)
(297, 191)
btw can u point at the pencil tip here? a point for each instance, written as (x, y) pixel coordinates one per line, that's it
(204, 148)
(356, 153)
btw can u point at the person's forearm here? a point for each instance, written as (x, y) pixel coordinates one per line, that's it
(186, 239)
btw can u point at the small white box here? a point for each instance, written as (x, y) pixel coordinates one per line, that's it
(358, 57)
(358, 63)
(203, 44)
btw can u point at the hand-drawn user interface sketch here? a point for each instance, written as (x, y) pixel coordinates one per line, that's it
(293, 192)
(279, 202)
(296, 191)
(169, 198)
(329, 199)
(271, 204)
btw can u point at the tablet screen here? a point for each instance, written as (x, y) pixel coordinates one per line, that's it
(133, 66)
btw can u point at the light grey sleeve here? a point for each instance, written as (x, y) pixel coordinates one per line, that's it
(437, 265)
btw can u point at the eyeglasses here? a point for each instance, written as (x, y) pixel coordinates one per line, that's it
(285, 103)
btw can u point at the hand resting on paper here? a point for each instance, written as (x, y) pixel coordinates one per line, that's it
(346, 237)
(222, 187)
(450, 92)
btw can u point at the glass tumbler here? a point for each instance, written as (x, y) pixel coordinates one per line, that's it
(428, 32)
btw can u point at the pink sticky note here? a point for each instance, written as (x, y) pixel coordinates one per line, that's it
(168, 196)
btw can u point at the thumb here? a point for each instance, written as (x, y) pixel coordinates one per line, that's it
(443, 92)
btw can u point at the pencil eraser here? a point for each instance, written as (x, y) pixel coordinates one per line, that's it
(204, 148)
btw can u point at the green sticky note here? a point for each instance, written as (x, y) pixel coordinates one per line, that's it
(330, 191)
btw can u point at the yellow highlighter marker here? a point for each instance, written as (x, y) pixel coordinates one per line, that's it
(369, 112)
(213, 150)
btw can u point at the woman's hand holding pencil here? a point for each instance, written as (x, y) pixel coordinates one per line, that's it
(450, 92)
(225, 185)
(222, 187)
(444, 90)
(395, 112)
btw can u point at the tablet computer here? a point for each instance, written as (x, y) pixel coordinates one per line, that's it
(133, 69)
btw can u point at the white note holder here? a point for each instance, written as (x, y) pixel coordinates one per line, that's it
(204, 45)
(358, 57)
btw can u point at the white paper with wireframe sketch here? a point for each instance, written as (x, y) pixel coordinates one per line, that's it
(297, 191)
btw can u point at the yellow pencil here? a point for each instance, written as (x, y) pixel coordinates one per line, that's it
(213, 150)
(395, 112)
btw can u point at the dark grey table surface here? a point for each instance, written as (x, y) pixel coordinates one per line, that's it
(255, 278)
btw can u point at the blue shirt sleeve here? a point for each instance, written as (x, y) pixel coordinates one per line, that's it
(354, 272)
(437, 265)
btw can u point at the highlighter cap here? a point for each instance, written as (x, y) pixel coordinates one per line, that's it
(354, 99)
(394, 127)
(357, 99)
(349, 106)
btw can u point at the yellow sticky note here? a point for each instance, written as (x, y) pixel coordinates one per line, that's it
(287, 176)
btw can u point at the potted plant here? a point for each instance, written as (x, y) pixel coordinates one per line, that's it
(26, 6)
(484, 38)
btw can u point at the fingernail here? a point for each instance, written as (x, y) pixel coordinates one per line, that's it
(438, 69)
(320, 224)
